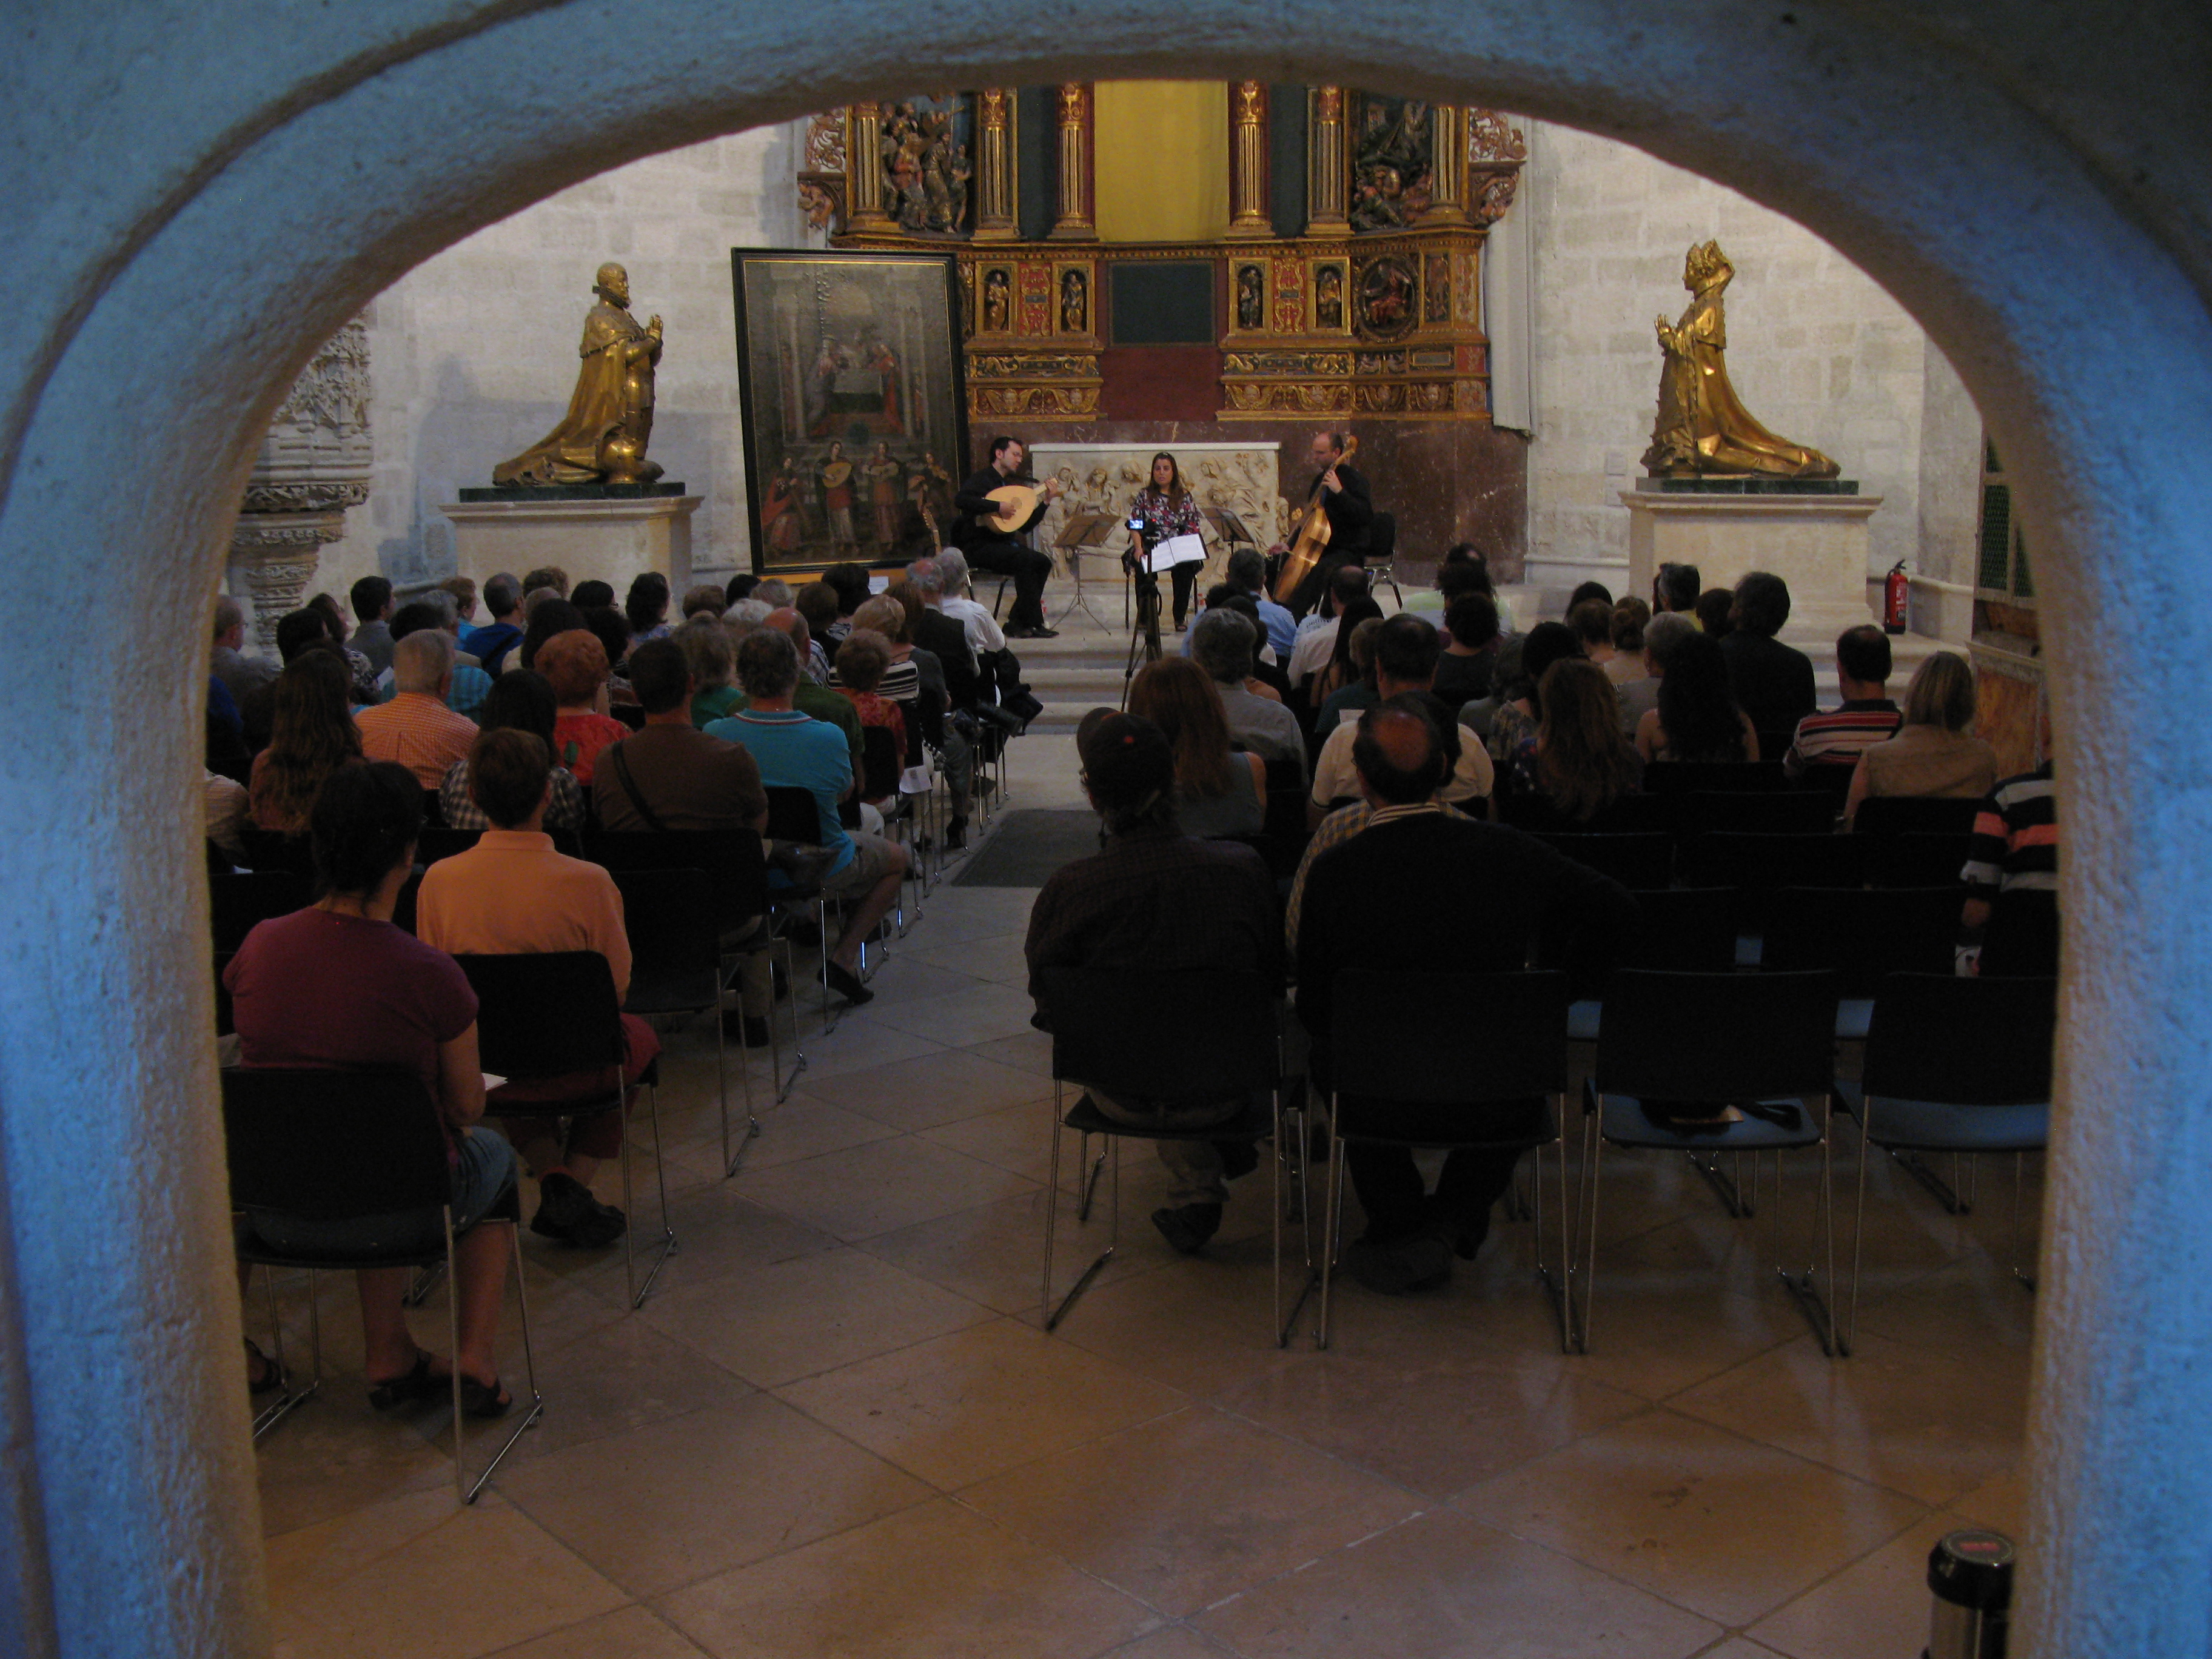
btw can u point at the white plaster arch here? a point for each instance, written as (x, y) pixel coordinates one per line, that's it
(215, 197)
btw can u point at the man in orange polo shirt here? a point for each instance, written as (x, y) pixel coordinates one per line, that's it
(513, 895)
(416, 728)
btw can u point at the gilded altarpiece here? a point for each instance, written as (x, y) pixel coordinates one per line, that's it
(1373, 312)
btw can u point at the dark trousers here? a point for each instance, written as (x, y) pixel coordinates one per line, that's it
(1028, 569)
(1390, 1183)
(1185, 578)
(1307, 592)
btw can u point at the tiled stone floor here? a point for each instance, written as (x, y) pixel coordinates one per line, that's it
(836, 1428)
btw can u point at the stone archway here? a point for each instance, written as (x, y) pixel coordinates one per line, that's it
(212, 203)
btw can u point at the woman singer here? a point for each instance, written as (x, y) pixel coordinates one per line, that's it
(1165, 507)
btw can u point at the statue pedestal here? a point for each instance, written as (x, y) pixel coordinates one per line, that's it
(1817, 542)
(613, 540)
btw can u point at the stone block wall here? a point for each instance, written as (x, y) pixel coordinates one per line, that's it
(1818, 353)
(473, 353)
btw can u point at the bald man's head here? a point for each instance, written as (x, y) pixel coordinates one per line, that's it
(1398, 752)
(788, 620)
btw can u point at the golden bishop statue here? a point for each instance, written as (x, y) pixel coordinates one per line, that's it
(1702, 427)
(602, 439)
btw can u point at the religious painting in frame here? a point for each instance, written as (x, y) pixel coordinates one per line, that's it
(853, 401)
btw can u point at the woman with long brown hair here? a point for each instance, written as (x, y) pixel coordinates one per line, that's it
(1166, 508)
(1578, 760)
(312, 735)
(1218, 793)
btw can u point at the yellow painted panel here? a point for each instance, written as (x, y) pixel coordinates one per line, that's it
(1162, 161)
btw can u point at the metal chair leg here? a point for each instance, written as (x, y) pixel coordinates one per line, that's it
(1089, 1190)
(1332, 1226)
(289, 1398)
(1113, 1235)
(530, 1418)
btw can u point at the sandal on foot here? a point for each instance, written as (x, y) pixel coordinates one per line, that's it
(263, 1374)
(417, 1384)
(484, 1400)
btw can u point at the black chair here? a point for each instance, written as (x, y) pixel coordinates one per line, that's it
(883, 776)
(552, 1019)
(435, 843)
(1755, 864)
(630, 714)
(1226, 1044)
(1703, 1064)
(1777, 812)
(1493, 1044)
(1688, 930)
(1915, 815)
(1645, 861)
(1284, 827)
(1917, 860)
(1686, 777)
(334, 1145)
(675, 967)
(2022, 937)
(267, 850)
(733, 870)
(1643, 813)
(1862, 935)
(434, 810)
(794, 816)
(241, 899)
(1959, 1065)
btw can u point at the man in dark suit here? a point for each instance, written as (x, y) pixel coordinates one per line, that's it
(1350, 509)
(1421, 891)
(997, 550)
(1771, 681)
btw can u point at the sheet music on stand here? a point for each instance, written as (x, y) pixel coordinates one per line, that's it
(1175, 550)
(1231, 527)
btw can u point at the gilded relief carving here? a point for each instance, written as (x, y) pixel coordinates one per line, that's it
(1286, 362)
(1491, 137)
(1386, 288)
(1392, 163)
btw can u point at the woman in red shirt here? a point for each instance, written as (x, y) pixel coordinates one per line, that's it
(576, 664)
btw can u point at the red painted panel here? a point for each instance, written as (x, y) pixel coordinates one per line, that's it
(1160, 383)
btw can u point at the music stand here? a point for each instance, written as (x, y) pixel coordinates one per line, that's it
(1229, 527)
(1079, 533)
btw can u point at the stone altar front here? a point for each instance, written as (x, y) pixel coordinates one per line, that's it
(1815, 542)
(613, 540)
(1105, 478)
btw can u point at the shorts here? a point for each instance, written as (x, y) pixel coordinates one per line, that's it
(873, 857)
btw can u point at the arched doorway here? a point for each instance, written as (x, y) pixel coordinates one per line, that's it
(210, 210)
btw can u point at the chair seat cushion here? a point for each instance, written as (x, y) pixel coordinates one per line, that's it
(1623, 1121)
(1853, 1016)
(1935, 1126)
(1583, 1018)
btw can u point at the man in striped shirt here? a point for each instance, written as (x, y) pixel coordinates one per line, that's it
(1867, 717)
(2012, 875)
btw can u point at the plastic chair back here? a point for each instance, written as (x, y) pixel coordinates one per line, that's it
(1860, 934)
(1685, 777)
(332, 1144)
(1962, 1041)
(675, 959)
(1644, 860)
(1449, 1039)
(730, 866)
(237, 901)
(1759, 862)
(1171, 1038)
(793, 815)
(1917, 860)
(1781, 812)
(2022, 937)
(1915, 815)
(881, 762)
(545, 1014)
(1717, 1037)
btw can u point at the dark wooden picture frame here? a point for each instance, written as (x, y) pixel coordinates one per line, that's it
(853, 396)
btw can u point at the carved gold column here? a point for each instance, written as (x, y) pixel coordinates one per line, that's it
(864, 175)
(995, 200)
(1326, 166)
(1447, 166)
(1248, 161)
(1074, 223)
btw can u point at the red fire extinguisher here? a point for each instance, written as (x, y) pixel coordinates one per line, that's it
(1896, 594)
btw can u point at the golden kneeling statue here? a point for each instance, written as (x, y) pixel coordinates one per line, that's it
(602, 439)
(1702, 427)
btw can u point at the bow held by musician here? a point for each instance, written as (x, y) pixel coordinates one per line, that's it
(997, 504)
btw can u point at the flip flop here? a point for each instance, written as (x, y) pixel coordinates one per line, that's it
(417, 1384)
(484, 1398)
(272, 1374)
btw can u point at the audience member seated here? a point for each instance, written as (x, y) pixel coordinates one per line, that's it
(1716, 612)
(1222, 643)
(545, 614)
(522, 701)
(941, 634)
(2012, 871)
(1697, 717)
(364, 674)
(296, 631)
(337, 985)
(1577, 762)
(1267, 679)
(1466, 570)
(1935, 753)
(241, 675)
(1344, 671)
(438, 608)
(817, 603)
(1470, 654)
(371, 598)
(1515, 721)
(861, 661)
(1587, 593)
(1631, 617)
(1829, 744)
(1219, 794)
(1420, 890)
(1675, 587)
(1639, 696)
(416, 728)
(593, 595)
(817, 701)
(773, 592)
(1316, 641)
(849, 582)
(314, 735)
(1592, 621)
(645, 606)
(797, 751)
(226, 752)
(1406, 653)
(710, 655)
(736, 591)
(1158, 901)
(1246, 573)
(492, 643)
(1772, 681)
(546, 575)
(513, 895)
(226, 812)
(575, 664)
(612, 628)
